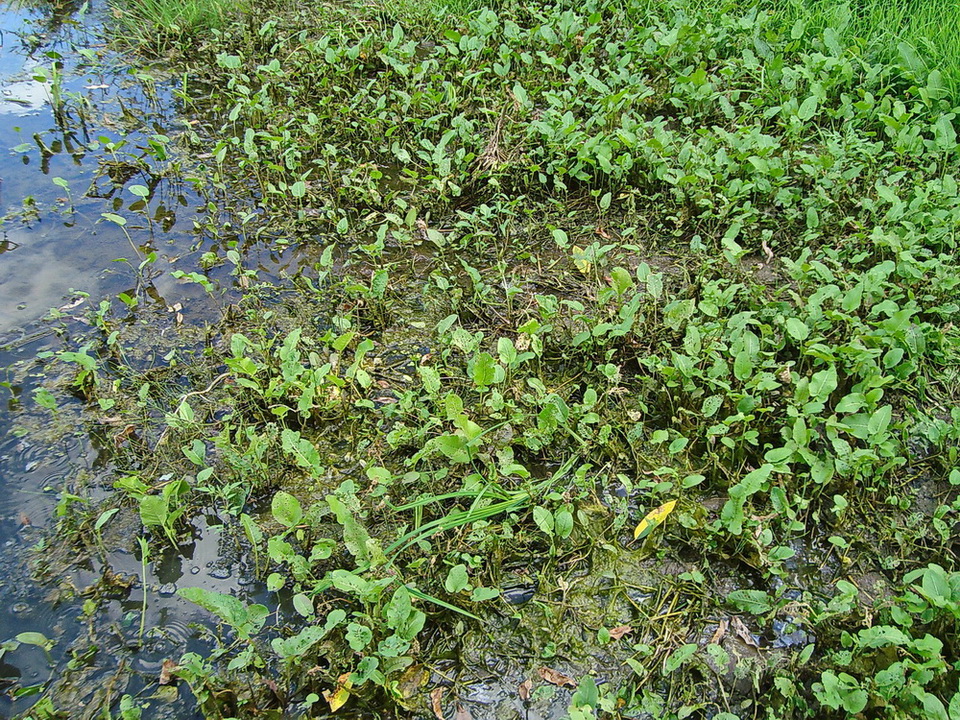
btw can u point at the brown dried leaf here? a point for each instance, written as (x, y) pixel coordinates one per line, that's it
(619, 631)
(720, 632)
(525, 687)
(166, 671)
(435, 696)
(743, 632)
(555, 677)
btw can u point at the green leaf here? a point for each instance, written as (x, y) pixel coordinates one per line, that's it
(358, 636)
(823, 383)
(935, 585)
(711, 405)
(430, 379)
(755, 602)
(34, 638)
(544, 520)
(808, 108)
(880, 420)
(563, 523)
(483, 371)
(457, 579)
(242, 618)
(286, 509)
(679, 656)
(303, 604)
(482, 594)
(275, 581)
(153, 510)
(298, 645)
(114, 218)
(798, 329)
(355, 536)
(399, 608)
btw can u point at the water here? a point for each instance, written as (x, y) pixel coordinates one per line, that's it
(61, 169)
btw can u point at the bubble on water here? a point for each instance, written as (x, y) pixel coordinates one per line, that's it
(167, 589)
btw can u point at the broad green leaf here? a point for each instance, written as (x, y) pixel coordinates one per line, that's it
(153, 510)
(823, 383)
(808, 108)
(798, 329)
(481, 594)
(544, 520)
(303, 604)
(245, 619)
(355, 536)
(483, 371)
(457, 579)
(563, 523)
(679, 656)
(286, 509)
(755, 602)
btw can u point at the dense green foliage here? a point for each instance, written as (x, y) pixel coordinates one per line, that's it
(573, 262)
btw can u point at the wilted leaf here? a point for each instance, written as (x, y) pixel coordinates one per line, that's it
(720, 632)
(742, 631)
(524, 690)
(653, 519)
(436, 695)
(166, 671)
(555, 677)
(581, 260)
(339, 695)
(619, 631)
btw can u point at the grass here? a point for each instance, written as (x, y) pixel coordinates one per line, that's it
(922, 33)
(159, 25)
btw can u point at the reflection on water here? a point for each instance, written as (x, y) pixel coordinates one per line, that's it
(59, 173)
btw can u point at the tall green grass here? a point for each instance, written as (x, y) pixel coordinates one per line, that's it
(159, 24)
(921, 35)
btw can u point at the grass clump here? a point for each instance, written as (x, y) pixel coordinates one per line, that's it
(157, 26)
(923, 34)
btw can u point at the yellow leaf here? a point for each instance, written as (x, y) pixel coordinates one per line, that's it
(341, 694)
(653, 518)
(580, 260)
